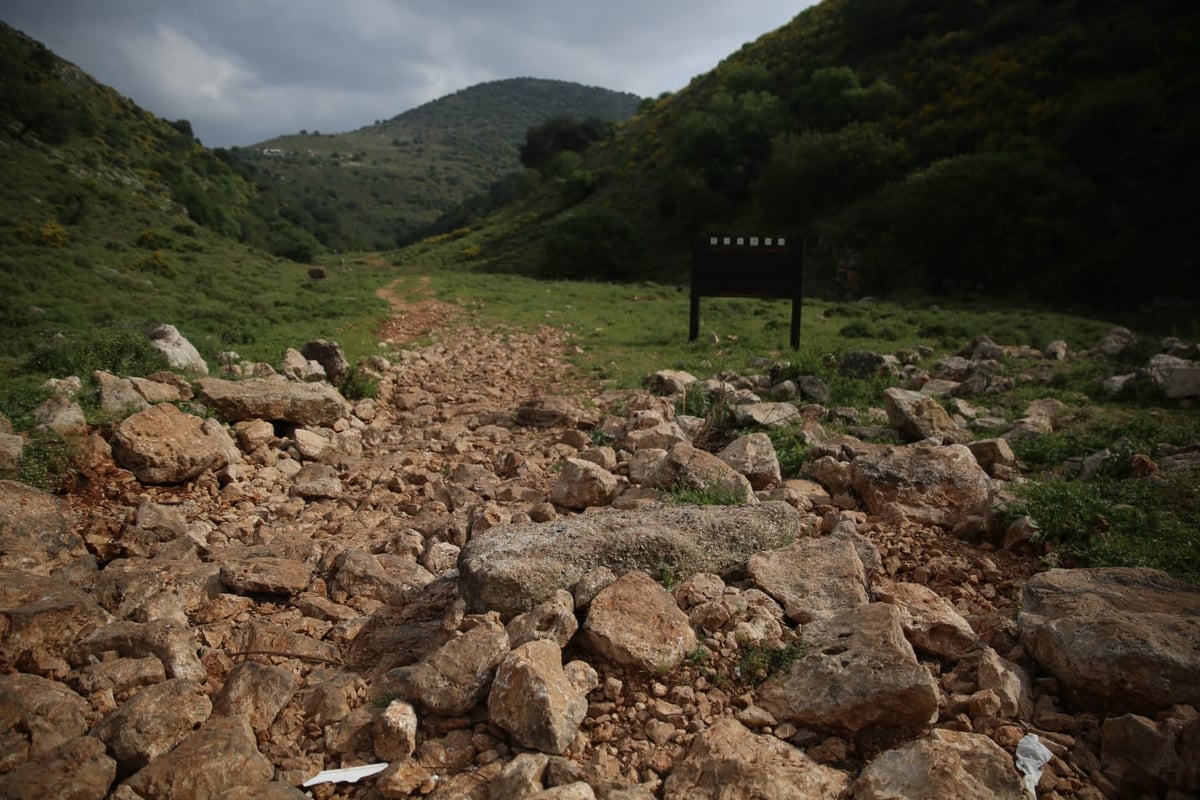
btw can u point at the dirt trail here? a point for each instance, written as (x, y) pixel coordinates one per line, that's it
(413, 319)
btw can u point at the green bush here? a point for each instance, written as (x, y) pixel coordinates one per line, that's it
(116, 350)
(19, 397)
(48, 462)
(711, 493)
(357, 384)
(790, 450)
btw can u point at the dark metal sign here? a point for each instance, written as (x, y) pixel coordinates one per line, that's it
(765, 267)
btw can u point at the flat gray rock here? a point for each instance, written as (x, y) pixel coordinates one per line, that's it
(511, 568)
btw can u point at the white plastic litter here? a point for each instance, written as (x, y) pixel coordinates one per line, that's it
(347, 775)
(1031, 756)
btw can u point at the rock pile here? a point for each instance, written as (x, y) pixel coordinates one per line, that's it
(479, 579)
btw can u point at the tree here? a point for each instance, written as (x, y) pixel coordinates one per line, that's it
(730, 139)
(559, 134)
(812, 172)
(992, 221)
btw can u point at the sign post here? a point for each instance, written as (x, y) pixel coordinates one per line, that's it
(765, 267)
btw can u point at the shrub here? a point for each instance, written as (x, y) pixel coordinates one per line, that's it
(150, 239)
(49, 234)
(120, 351)
(790, 450)
(759, 663)
(48, 463)
(357, 384)
(19, 397)
(155, 264)
(711, 493)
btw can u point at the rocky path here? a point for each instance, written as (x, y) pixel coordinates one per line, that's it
(456, 579)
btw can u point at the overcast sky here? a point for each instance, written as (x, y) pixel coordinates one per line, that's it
(246, 70)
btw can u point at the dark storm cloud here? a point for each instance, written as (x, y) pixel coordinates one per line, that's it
(246, 70)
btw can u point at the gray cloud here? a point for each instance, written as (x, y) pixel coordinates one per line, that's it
(246, 70)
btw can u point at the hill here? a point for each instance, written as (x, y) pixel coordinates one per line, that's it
(1037, 149)
(112, 219)
(379, 185)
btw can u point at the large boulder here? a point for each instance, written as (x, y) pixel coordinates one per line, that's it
(1175, 377)
(34, 535)
(62, 415)
(78, 769)
(153, 721)
(163, 445)
(635, 621)
(41, 612)
(1118, 639)
(688, 467)
(754, 456)
(943, 763)
(916, 416)
(555, 411)
(12, 452)
(930, 621)
(180, 353)
(457, 675)
(221, 755)
(812, 577)
(766, 415)
(729, 762)
(930, 484)
(329, 355)
(860, 673)
(511, 568)
(256, 692)
(175, 646)
(1153, 756)
(273, 399)
(668, 381)
(266, 574)
(533, 699)
(583, 484)
(36, 716)
(118, 397)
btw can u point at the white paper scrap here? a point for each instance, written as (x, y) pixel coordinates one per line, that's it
(1031, 756)
(347, 775)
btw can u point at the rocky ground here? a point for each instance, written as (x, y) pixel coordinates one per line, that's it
(474, 579)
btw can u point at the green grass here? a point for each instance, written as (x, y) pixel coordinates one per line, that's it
(710, 494)
(759, 663)
(48, 462)
(1114, 517)
(790, 450)
(1106, 521)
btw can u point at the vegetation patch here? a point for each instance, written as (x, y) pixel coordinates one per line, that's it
(759, 663)
(713, 492)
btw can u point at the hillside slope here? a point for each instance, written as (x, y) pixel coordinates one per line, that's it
(370, 188)
(1038, 149)
(111, 218)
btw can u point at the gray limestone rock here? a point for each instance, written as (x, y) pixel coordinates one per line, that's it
(511, 568)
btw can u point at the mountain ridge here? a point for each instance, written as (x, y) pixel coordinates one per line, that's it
(379, 185)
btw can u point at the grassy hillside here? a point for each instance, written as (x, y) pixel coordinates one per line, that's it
(377, 186)
(1039, 149)
(112, 219)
